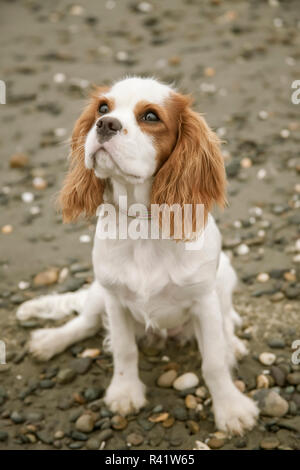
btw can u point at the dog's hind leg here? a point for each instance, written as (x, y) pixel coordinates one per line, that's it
(47, 342)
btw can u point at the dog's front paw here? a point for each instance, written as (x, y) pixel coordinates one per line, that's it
(44, 344)
(236, 414)
(125, 397)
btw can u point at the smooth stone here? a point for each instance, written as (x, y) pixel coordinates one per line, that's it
(201, 446)
(166, 380)
(85, 423)
(44, 437)
(267, 359)
(180, 413)
(269, 443)
(187, 380)
(279, 375)
(271, 403)
(192, 426)
(79, 436)
(93, 443)
(215, 443)
(17, 417)
(119, 422)
(135, 439)
(93, 393)
(65, 376)
(105, 435)
(81, 365)
(292, 423)
(46, 278)
(191, 402)
(276, 343)
(3, 436)
(294, 378)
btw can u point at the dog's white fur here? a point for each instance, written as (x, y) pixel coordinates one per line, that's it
(155, 283)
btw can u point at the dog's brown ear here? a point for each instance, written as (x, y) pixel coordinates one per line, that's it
(194, 173)
(82, 191)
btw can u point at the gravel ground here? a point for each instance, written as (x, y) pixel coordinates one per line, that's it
(239, 60)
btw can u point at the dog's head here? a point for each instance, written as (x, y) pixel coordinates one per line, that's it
(139, 129)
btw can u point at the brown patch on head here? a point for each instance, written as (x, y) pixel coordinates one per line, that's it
(193, 171)
(82, 191)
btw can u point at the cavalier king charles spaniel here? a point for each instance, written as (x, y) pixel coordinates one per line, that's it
(140, 139)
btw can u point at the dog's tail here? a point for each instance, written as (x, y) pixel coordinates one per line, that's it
(53, 306)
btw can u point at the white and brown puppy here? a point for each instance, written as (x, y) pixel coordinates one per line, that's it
(140, 138)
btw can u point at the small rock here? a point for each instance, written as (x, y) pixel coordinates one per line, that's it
(269, 443)
(85, 423)
(166, 380)
(3, 436)
(90, 353)
(240, 385)
(17, 417)
(7, 229)
(271, 403)
(93, 443)
(276, 343)
(93, 393)
(201, 446)
(65, 376)
(267, 359)
(81, 365)
(19, 160)
(79, 436)
(262, 381)
(135, 439)
(277, 297)
(59, 434)
(187, 380)
(242, 250)
(201, 392)
(180, 413)
(294, 378)
(105, 435)
(278, 375)
(215, 443)
(191, 402)
(46, 278)
(168, 423)
(159, 418)
(119, 422)
(192, 426)
(263, 277)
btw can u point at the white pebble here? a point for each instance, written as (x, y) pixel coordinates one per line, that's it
(145, 7)
(297, 245)
(267, 358)
(27, 197)
(60, 132)
(263, 277)
(84, 239)
(110, 4)
(34, 210)
(277, 22)
(284, 133)
(242, 249)
(23, 285)
(59, 78)
(261, 174)
(185, 381)
(199, 445)
(263, 115)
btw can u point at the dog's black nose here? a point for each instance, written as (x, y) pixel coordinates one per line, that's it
(107, 127)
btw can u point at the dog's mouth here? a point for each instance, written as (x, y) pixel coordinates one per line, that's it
(102, 148)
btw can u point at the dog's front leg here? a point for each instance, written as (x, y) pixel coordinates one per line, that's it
(234, 412)
(126, 393)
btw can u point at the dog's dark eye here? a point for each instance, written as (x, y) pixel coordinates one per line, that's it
(150, 117)
(103, 108)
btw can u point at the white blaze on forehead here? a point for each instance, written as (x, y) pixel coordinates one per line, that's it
(128, 92)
